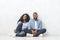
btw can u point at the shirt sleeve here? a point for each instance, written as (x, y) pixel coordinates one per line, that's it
(29, 24)
(40, 25)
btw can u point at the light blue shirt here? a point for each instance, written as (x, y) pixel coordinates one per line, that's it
(32, 24)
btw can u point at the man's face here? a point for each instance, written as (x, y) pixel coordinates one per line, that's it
(35, 16)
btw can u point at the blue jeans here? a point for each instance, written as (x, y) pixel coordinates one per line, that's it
(41, 31)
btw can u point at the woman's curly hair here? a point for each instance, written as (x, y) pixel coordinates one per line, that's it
(27, 19)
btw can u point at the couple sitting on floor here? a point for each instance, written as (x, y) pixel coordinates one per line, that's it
(27, 25)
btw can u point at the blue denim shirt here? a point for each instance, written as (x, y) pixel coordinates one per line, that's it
(32, 24)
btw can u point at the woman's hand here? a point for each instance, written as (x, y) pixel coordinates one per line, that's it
(15, 30)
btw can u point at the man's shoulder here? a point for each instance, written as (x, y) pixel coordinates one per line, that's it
(39, 20)
(33, 20)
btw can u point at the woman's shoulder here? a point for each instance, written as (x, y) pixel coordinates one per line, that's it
(19, 22)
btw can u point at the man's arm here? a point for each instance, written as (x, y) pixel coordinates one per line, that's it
(40, 24)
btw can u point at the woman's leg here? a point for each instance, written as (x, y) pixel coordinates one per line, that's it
(21, 34)
(27, 31)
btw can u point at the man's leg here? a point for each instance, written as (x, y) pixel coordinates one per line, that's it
(40, 32)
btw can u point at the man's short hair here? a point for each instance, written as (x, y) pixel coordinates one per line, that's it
(35, 13)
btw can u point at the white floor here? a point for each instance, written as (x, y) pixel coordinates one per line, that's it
(48, 37)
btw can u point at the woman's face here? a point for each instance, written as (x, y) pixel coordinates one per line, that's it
(24, 17)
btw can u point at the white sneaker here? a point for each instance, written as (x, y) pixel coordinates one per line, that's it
(41, 35)
(29, 35)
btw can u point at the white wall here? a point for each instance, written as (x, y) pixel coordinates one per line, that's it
(11, 10)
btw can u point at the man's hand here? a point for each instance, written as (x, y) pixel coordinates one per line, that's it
(34, 32)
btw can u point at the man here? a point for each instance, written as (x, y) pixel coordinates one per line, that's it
(35, 26)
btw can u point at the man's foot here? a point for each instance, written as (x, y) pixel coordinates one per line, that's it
(35, 36)
(29, 35)
(41, 35)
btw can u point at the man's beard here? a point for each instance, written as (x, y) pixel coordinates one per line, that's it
(35, 18)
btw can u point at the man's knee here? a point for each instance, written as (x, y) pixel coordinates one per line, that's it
(43, 30)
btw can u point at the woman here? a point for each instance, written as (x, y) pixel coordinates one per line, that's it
(22, 24)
